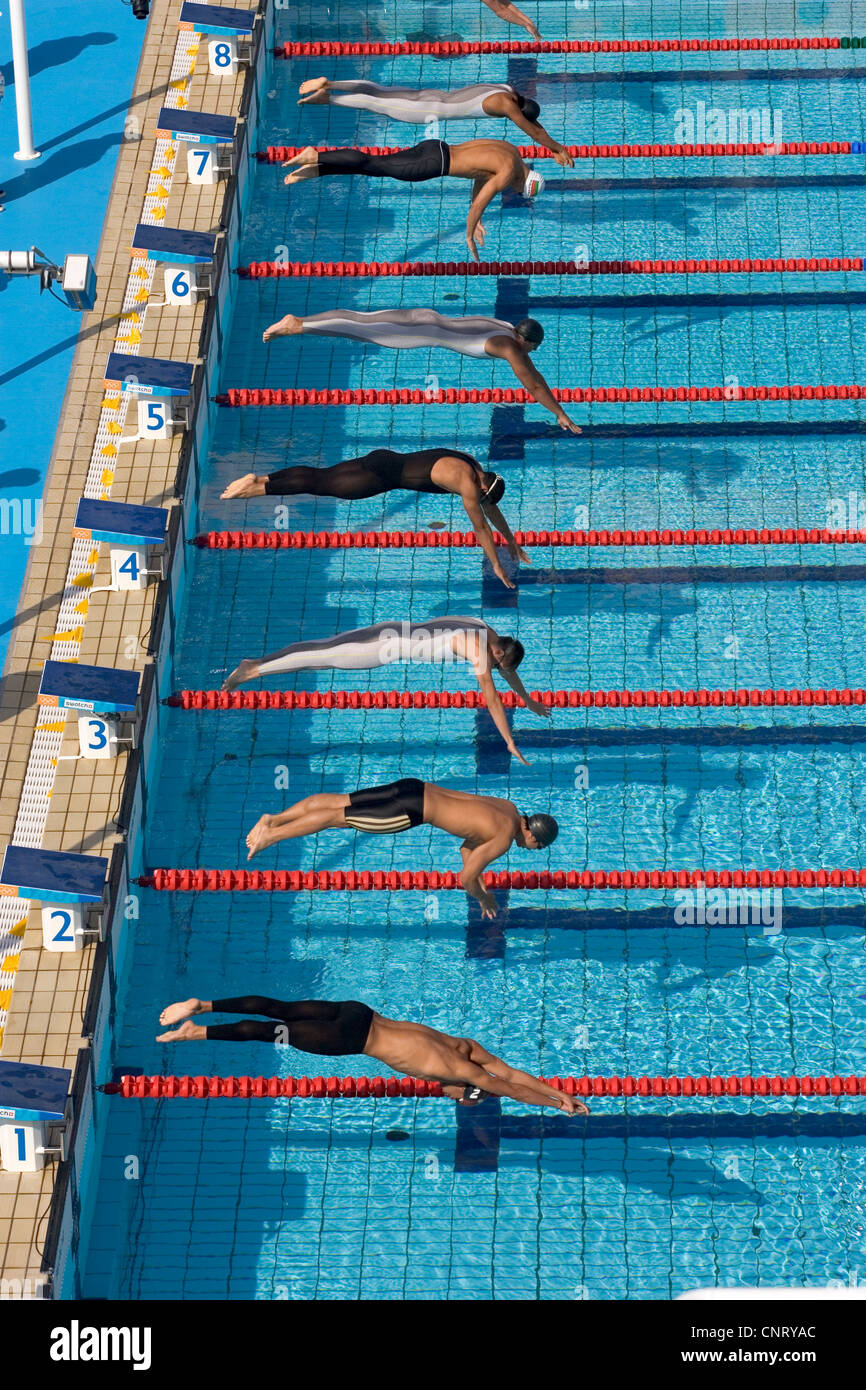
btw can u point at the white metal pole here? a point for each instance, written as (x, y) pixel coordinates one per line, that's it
(22, 81)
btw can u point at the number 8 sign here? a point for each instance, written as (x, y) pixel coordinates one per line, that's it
(222, 57)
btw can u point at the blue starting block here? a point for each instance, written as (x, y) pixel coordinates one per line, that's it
(196, 127)
(99, 690)
(68, 881)
(52, 876)
(147, 376)
(32, 1097)
(226, 27)
(119, 523)
(70, 685)
(129, 530)
(214, 19)
(174, 245)
(185, 255)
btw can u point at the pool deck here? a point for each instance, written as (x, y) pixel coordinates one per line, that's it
(42, 994)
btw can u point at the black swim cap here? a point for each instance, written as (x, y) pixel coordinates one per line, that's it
(544, 828)
(531, 330)
(513, 653)
(495, 490)
(530, 108)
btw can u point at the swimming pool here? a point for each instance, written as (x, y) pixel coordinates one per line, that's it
(393, 1199)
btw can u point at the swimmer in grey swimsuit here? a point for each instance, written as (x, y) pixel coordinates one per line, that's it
(416, 107)
(439, 640)
(411, 328)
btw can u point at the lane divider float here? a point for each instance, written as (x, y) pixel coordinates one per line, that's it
(727, 265)
(401, 1087)
(473, 699)
(334, 48)
(443, 540)
(423, 880)
(568, 395)
(278, 154)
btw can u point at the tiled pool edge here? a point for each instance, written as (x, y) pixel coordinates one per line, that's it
(63, 985)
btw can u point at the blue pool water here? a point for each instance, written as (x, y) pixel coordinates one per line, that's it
(82, 66)
(648, 1199)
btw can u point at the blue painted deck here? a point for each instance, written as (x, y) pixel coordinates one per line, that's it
(83, 60)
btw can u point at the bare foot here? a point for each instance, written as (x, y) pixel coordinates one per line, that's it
(305, 165)
(250, 485)
(258, 838)
(314, 92)
(187, 1032)
(283, 328)
(175, 1012)
(247, 671)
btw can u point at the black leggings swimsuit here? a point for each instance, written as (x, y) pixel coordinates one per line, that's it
(382, 470)
(310, 1025)
(429, 160)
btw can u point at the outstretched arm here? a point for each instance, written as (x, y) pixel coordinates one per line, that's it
(520, 689)
(483, 193)
(517, 1085)
(512, 15)
(474, 864)
(497, 713)
(536, 132)
(535, 384)
(496, 519)
(484, 534)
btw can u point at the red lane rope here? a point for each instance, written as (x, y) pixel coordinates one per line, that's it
(569, 395)
(473, 699)
(395, 1087)
(442, 540)
(278, 154)
(456, 49)
(393, 881)
(733, 265)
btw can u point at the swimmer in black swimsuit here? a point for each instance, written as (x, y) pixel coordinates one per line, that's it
(494, 166)
(384, 470)
(466, 1070)
(487, 825)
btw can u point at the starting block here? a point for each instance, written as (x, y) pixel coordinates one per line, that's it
(230, 31)
(161, 383)
(187, 256)
(130, 531)
(67, 882)
(32, 1099)
(206, 136)
(101, 691)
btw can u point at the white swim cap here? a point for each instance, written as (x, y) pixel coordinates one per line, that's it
(534, 184)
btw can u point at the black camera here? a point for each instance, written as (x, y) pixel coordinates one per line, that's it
(141, 8)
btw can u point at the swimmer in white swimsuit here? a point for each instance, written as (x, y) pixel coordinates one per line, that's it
(439, 640)
(484, 99)
(412, 328)
(493, 166)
